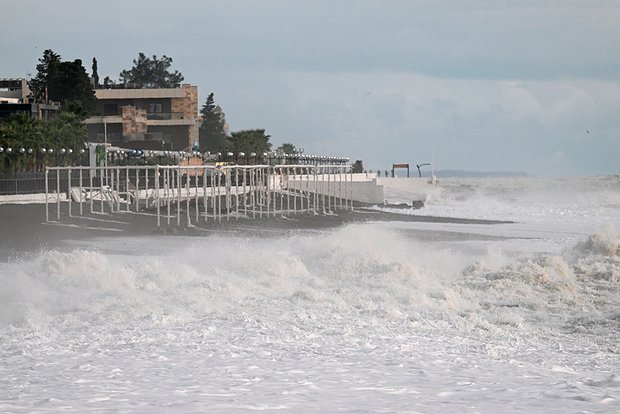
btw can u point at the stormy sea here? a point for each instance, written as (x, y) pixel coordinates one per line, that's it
(517, 314)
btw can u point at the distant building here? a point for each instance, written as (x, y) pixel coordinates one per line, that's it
(15, 98)
(155, 119)
(14, 90)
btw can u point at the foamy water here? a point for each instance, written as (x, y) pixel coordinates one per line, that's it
(375, 317)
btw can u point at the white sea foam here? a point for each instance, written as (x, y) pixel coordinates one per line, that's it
(551, 201)
(369, 317)
(606, 242)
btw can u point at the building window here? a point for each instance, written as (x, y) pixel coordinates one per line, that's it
(110, 109)
(155, 108)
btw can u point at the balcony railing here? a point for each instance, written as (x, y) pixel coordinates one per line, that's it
(164, 115)
(149, 115)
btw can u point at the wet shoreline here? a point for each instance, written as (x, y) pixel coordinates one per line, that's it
(23, 226)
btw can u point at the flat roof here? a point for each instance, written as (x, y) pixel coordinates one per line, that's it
(140, 93)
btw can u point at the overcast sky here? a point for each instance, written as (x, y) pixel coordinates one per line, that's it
(531, 86)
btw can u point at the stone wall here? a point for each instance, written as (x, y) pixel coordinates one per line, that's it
(134, 123)
(188, 104)
(188, 107)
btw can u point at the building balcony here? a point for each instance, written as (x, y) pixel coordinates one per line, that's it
(169, 120)
(110, 119)
(163, 116)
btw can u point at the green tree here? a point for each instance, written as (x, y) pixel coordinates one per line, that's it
(151, 73)
(213, 134)
(357, 167)
(73, 89)
(248, 141)
(95, 74)
(22, 131)
(287, 148)
(64, 82)
(47, 70)
(66, 131)
(15, 133)
(108, 83)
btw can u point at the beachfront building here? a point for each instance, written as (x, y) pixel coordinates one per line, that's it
(148, 119)
(15, 98)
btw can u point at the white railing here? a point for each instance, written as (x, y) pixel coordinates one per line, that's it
(198, 195)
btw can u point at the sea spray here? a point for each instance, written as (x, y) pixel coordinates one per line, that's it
(383, 279)
(547, 201)
(606, 243)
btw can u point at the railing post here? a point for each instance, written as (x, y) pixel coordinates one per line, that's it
(253, 191)
(69, 189)
(323, 191)
(261, 192)
(219, 196)
(196, 188)
(329, 189)
(146, 188)
(296, 191)
(268, 194)
(288, 189)
(351, 187)
(156, 188)
(90, 182)
(340, 169)
(308, 190)
(247, 190)
(315, 197)
(118, 189)
(58, 193)
(167, 193)
(187, 178)
(237, 193)
(227, 188)
(128, 203)
(282, 191)
(204, 189)
(103, 171)
(117, 180)
(47, 213)
(179, 187)
(212, 174)
(81, 191)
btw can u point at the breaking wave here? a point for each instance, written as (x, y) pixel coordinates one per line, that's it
(523, 199)
(361, 277)
(606, 243)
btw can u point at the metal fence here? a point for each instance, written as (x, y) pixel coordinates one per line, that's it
(30, 182)
(198, 195)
